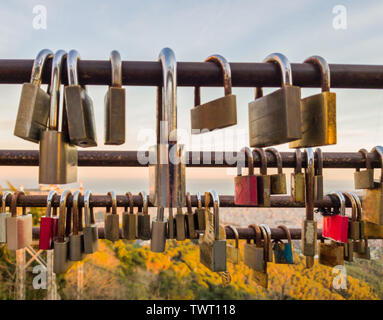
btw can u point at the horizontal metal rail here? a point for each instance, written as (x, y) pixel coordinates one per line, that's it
(194, 158)
(149, 73)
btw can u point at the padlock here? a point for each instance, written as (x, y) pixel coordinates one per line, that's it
(180, 225)
(171, 230)
(33, 112)
(232, 252)
(90, 230)
(76, 238)
(111, 220)
(362, 224)
(58, 159)
(283, 252)
(318, 112)
(129, 220)
(114, 101)
(318, 177)
(19, 228)
(276, 118)
(353, 223)
(199, 214)
(158, 236)
(245, 186)
(79, 108)
(254, 253)
(219, 113)
(335, 227)
(212, 248)
(268, 244)
(143, 219)
(363, 250)
(48, 225)
(278, 180)
(348, 252)
(190, 219)
(260, 275)
(364, 179)
(298, 179)
(373, 200)
(263, 180)
(330, 254)
(3, 217)
(61, 262)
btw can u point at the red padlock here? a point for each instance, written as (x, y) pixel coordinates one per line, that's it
(48, 225)
(246, 186)
(335, 227)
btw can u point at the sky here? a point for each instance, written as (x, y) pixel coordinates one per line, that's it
(241, 31)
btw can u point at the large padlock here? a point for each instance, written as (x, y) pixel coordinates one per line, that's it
(4, 216)
(283, 252)
(353, 223)
(76, 238)
(180, 225)
(115, 104)
(158, 236)
(190, 219)
(143, 219)
(129, 220)
(245, 186)
(212, 248)
(232, 252)
(199, 214)
(33, 112)
(278, 180)
(79, 108)
(318, 177)
(364, 179)
(276, 118)
(111, 219)
(90, 230)
(266, 231)
(19, 228)
(254, 253)
(219, 113)
(48, 225)
(58, 159)
(298, 179)
(330, 254)
(335, 226)
(263, 180)
(318, 112)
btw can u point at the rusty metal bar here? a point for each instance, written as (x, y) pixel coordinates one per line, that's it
(148, 73)
(194, 158)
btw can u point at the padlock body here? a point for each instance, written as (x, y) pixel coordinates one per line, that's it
(254, 257)
(354, 230)
(309, 237)
(298, 190)
(158, 240)
(349, 251)
(318, 117)
(246, 190)
(283, 254)
(61, 256)
(129, 225)
(373, 205)
(261, 278)
(3, 226)
(114, 124)
(233, 254)
(362, 250)
(19, 232)
(190, 226)
(58, 159)
(112, 228)
(278, 183)
(76, 247)
(263, 190)
(171, 228)
(33, 113)
(143, 226)
(90, 239)
(364, 179)
(371, 230)
(335, 227)
(276, 118)
(180, 227)
(48, 231)
(80, 117)
(331, 254)
(318, 188)
(200, 219)
(217, 114)
(213, 255)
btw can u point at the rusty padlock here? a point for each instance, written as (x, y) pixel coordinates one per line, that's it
(278, 180)
(263, 180)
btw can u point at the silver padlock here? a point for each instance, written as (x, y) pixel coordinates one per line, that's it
(159, 226)
(3, 217)
(76, 238)
(90, 230)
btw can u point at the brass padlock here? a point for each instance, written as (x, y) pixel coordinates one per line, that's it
(219, 113)
(354, 224)
(212, 248)
(318, 177)
(364, 179)
(298, 179)
(57, 158)
(19, 228)
(190, 219)
(330, 254)
(263, 180)
(4, 216)
(276, 118)
(111, 222)
(277, 181)
(260, 275)
(254, 253)
(143, 219)
(129, 220)
(90, 230)
(33, 112)
(268, 245)
(199, 214)
(158, 237)
(318, 112)
(348, 250)
(76, 238)
(362, 249)
(115, 104)
(232, 252)
(171, 231)
(180, 225)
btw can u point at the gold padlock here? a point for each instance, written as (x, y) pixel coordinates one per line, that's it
(298, 179)
(364, 179)
(268, 244)
(331, 254)
(278, 181)
(318, 177)
(263, 180)
(233, 253)
(353, 225)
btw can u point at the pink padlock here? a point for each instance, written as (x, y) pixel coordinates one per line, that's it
(48, 225)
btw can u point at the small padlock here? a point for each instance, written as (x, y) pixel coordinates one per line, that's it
(76, 238)
(364, 179)
(335, 226)
(219, 113)
(79, 108)
(254, 253)
(298, 179)
(3, 217)
(278, 181)
(129, 220)
(158, 237)
(19, 228)
(199, 214)
(33, 112)
(245, 186)
(58, 159)
(318, 177)
(90, 230)
(115, 104)
(180, 222)
(111, 220)
(260, 275)
(348, 250)
(276, 118)
(263, 180)
(232, 252)
(353, 223)
(171, 230)
(283, 252)
(318, 112)
(48, 225)
(190, 219)
(265, 229)
(362, 224)
(363, 250)
(143, 219)
(330, 254)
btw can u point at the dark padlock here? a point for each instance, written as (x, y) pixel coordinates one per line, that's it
(364, 179)
(90, 230)
(143, 219)
(232, 252)
(4, 215)
(353, 223)
(171, 231)
(276, 118)
(318, 112)
(199, 214)
(266, 231)
(362, 224)
(190, 219)
(76, 238)
(115, 104)
(129, 220)
(33, 112)
(48, 225)
(79, 108)
(263, 180)
(158, 237)
(283, 252)
(330, 254)
(111, 221)
(219, 113)
(362, 249)
(58, 159)
(318, 176)
(348, 250)
(278, 180)
(298, 179)
(180, 223)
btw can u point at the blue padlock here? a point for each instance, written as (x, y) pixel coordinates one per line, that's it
(283, 252)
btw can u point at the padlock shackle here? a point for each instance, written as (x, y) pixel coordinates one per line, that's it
(62, 216)
(75, 212)
(145, 203)
(342, 201)
(358, 206)
(212, 193)
(88, 210)
(199, 200)
(379, 151)
(309, 182)
(354, 209)
(287, 232)
(131, 202)
(278, 158)
(113, 197)
(71, 63)
(258, 234)
(248, 155)
(15, 197)
(48, 211)
(116, 67)
(189, 203)
(38, 65)
(284, 65)
(236, 235)
(298, 161)
(324, 71)
(266, 238)
(4, 201)
(364, 153)
(262, 155)
(319, 166)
